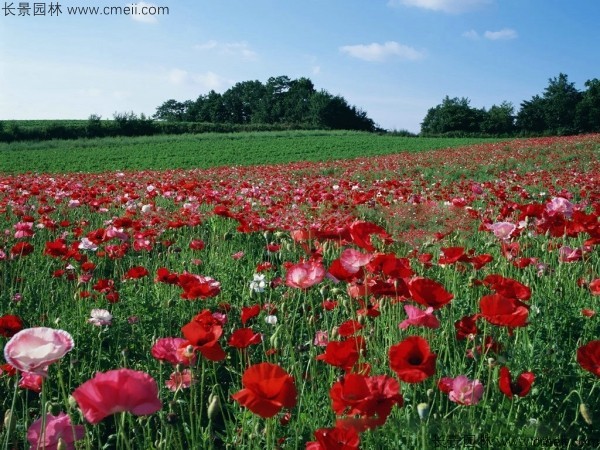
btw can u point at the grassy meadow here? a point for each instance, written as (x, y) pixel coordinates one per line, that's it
(405, 292)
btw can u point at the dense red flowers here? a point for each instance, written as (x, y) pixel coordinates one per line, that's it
(412, 359)
(117, 391)
(203, 332)
(10, 325)
(339, 438)
(520, 387)
(588, 357)
(344, 354)
(267, 390)
(369, 398)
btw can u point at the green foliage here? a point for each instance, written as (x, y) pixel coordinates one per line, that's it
(453, 114)
(280, 100)
(587, 115)
(206, 150)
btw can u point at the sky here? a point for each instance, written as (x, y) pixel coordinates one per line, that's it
(394, 59)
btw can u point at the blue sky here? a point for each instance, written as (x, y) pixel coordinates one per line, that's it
(394, 59)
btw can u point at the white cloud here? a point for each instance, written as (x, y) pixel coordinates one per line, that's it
(229, 48)
(448, 6)
(145, 18)
(381, 52)
(471, 34)
(504, 34)
(316, 70)
(206, 81)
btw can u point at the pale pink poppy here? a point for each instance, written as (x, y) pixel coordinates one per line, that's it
(419, 318)
(305, 275)
(352, 260)
(34, 349)
(559, 205)
(180, 380)
(23, 230)
(502, 230)
(57, 429)
(321, 338)
(117, 391)
(465, 391)
(100, 317)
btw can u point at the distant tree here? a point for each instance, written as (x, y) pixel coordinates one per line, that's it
(587, 114)
(531, 118)
(334, 112)
(453, 115)
(560, 104)
(499, 119)
(171, 110)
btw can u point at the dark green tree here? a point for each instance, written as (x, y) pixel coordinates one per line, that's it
(499, 119)
(531, 118)
(587, 114)
(171, 110)
(560, 104)
(453, 115)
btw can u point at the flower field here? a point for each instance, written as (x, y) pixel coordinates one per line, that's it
(444, 299)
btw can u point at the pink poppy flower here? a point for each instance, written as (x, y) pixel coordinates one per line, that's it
(57, 429)
(180, 380)
(34, 349)
(419, 318)
(305, 275)
(117, 391)
(559, 205)
(461, 390)
(31, 381)
(502, 230)
(168, 349)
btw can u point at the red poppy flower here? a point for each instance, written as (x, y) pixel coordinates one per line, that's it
(10, 325)
(197, 244)
(349, 327)
(595, 287)
(390, 265)
(343, 354)
(244, 337)
(429, 292)
(370, 398)
(56, 248)
(196, 286)
(248, 312)
(520, 387)
(338, 438)
(21, 249)
(503, 311)
(203, 332)
(164, 276)
(412, 359)
(267, 390)
(466, 327)
(117, 391)
(136, 272)
(588, 357)
(360, 233)
(508, 287)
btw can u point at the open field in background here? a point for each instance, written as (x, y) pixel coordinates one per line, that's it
(207, 150)
(426, 299)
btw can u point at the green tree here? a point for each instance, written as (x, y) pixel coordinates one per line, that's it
(587, 114)
(453, 115)
(171, 110)
(560, 105)
(499, 119)
(531, 118)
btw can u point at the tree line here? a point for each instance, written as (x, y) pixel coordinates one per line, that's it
(280, 100)
(560, 110)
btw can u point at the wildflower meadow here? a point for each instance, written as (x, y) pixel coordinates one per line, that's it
(437, 299)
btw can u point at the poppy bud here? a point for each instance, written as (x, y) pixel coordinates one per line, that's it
(361, 319)
(289, 246)
(62, 445)
(585, 413)
(72, 402)
(334, 333)
(323, 290)
(9, 423)
(423, 410)
(214, 406)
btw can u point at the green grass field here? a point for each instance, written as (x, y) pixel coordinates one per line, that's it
(208, 150)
